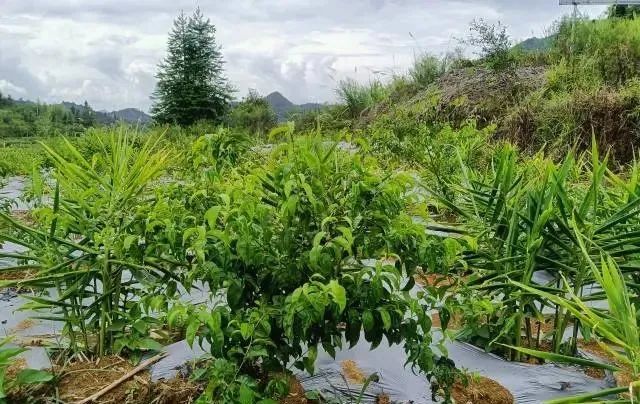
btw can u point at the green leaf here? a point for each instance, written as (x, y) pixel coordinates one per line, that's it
(33, 376)
(192, 329)
(234, 295)
(386, 318)
(367, 320)
(211, 216)
(246, 395)
(246, 330)
(554, 357)
(339, 294)
(150, 344)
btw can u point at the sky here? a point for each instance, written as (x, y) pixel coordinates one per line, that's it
(107, 51)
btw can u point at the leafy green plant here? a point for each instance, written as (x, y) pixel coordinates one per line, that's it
(287, 248)
(253, 113)
(214, 152)
(23, 377)
(92, 247)
(522, 218)
(617, 325)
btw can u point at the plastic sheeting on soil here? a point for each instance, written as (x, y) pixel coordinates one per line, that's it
(527, 383)
(13, 190)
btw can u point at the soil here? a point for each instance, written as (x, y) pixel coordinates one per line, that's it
(481, 390)
(383, 399)
(23, 216)
(296, 393)
(456, 322)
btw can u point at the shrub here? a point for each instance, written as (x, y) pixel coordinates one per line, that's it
(253, 113)
(607, 50)
(287, 247)
(493, 43)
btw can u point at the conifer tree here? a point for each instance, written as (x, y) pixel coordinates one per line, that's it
(191, 83)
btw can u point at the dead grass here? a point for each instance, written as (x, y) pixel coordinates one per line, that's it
(481, 390)
(82, 379)
(24, 325)
(383, 398)
(352, 372)
(15, 368)
(16, 275)
(296, 393)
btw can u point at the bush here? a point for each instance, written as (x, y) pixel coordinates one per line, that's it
(605, 50)
(253, 113)
(493, 43)
(286, 245)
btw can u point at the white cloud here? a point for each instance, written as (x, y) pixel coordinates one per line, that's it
(7, 87)
(107, 52)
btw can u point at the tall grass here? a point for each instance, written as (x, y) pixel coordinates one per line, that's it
(426, 69)
(358, 98)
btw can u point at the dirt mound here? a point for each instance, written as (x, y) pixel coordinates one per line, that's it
(481, 391)
(484, 94)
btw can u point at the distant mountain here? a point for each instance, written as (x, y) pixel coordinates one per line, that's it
(532, 45)
(128, 115)
(282, 106)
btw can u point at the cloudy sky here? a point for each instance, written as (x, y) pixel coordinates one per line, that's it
(106, 51)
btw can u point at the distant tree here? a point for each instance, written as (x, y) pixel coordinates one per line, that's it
(253, 113)
(88, 116)
(4, 101)
(623, 11)
(191, 83)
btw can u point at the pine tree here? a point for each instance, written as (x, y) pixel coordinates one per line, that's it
(191, 82)
(88, 117)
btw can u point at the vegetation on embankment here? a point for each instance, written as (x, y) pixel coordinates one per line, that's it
(587, 83)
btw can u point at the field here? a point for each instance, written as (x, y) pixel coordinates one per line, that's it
(419, 241)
